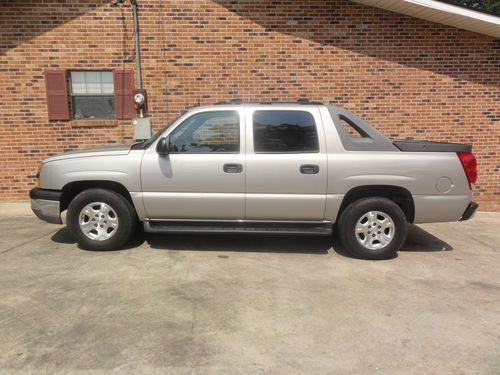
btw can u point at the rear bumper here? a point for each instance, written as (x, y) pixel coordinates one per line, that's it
(46, 204)
(470, 211)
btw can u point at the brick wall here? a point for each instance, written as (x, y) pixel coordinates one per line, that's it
(409, 77)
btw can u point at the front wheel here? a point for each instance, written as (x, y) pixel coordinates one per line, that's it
(101, 219)
(373, 228)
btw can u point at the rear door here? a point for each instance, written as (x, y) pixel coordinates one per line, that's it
(286, 164)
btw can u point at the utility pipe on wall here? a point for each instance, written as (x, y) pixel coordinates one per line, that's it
(136, 38)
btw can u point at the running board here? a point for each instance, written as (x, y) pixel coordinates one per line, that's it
(251, 227)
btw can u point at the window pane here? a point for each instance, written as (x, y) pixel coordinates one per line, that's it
(78, 83)
(207, 132)
(93, 80)
(284, 131)
(93, 107)
(107, 83)
(350, 129)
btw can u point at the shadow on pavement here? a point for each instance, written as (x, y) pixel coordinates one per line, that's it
(63, 236)
(240, 243)
(418, 240)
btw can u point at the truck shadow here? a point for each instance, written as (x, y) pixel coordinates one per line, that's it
(63, 236)
(240, 243)
(419, 240)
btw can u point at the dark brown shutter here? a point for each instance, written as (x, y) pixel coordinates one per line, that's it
(56, 87)
(124, 93)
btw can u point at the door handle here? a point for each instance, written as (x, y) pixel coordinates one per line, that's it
(233, 168)
(309, 169)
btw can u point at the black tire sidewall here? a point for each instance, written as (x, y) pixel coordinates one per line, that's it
(353, 213)
(124, 210)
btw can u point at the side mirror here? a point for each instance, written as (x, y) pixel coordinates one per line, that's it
(162, 146)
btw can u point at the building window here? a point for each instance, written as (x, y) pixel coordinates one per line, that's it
(284, 132)
(92, 94)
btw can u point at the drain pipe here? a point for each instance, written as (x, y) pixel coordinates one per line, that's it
(136, 38)
(137, 49)
(142, 125)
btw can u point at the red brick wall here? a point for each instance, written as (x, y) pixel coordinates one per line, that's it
(409, 77)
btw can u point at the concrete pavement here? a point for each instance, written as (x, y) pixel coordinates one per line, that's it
(200, 304)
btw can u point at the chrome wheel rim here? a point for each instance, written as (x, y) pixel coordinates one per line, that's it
(98, 221)
(375, 230)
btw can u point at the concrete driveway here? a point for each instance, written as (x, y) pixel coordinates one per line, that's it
(249, 304)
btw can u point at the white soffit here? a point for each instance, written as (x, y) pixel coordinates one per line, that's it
(444, 13)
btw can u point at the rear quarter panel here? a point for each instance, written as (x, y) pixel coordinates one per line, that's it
(436, 180)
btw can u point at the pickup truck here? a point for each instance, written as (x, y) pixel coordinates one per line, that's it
(267, 168)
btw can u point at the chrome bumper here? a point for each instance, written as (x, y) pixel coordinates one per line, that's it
(45, 204)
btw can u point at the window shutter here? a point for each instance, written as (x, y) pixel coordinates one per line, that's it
(56, 88)
(124, 93)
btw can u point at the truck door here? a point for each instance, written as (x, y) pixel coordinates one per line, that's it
(203, 176)
(286, 165)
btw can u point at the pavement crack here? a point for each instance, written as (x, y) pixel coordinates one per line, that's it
(27, 242)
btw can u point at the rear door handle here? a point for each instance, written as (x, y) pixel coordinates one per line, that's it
(233, 168)
(309, 169)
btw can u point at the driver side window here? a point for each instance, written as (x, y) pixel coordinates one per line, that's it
(206, 132)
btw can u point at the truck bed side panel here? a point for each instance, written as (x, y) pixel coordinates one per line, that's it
(436, 180)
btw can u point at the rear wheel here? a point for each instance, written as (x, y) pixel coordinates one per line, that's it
(101, 219)
(373, 228)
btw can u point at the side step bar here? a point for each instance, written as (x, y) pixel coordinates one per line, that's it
(251, 227)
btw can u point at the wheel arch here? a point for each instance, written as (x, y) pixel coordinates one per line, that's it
(72, 189)
(399, 195)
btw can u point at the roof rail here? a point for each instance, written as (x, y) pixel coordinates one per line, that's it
(303, 101)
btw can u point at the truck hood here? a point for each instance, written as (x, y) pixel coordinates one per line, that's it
(92, 152)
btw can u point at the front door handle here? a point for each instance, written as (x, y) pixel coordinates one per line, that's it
(309, 169)
(233, 168)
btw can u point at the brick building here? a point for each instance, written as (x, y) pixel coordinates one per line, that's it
(408, 76)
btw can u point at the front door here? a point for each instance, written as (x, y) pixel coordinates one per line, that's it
(203, 177)
(286, 167)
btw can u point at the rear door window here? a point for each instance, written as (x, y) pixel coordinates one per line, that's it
(284, 131)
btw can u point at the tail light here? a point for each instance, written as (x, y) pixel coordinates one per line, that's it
(470, 166)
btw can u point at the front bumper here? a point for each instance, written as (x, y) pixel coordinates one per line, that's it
(46, 204)
(470, 211)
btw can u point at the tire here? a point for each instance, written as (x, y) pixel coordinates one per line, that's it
(101, 219)
(357, 233)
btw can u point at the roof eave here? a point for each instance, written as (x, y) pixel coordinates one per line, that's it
(443, 13)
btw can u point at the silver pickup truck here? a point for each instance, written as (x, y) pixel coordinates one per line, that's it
(268, 168)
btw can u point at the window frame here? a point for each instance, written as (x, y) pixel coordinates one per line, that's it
(284, 152)
(104, 95)
(178, 127)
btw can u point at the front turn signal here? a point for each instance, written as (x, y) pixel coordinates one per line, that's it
(39, 169)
